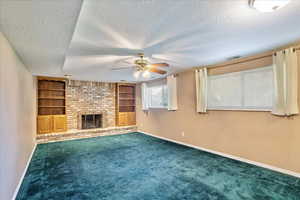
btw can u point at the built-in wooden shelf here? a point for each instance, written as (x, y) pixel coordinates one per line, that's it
(47, 89)
(52, 106)
(126, 99)
(51, 96)
(125, 95)
(55, 98)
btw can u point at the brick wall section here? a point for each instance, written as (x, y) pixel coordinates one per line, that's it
(90, 97)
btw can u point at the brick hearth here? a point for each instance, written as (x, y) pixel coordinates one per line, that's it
(87, 133)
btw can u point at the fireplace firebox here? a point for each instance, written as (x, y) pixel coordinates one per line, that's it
(91, 121)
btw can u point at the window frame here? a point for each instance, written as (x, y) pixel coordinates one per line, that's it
(241, 108)
(164, 90)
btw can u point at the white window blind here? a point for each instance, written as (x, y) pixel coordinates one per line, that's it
(158, 96)
(245, 90)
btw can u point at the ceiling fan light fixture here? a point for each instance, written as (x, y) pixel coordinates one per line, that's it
(146, 74)
(136, 74)
(267, 5)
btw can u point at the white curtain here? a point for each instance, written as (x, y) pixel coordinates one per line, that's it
(285, 67)
(172, 92)
(145, 96)
(201, 90)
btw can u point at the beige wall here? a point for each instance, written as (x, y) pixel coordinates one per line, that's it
(17, 118)
(257, 136)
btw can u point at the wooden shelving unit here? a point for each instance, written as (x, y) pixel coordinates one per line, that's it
(51, 97)
(52, 89)
(125, 104)
(51, 105)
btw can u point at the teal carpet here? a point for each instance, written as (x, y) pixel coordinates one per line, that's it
(139, 167)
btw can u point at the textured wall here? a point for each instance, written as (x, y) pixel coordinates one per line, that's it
(90, 97)
(257, 136)
(17, 118)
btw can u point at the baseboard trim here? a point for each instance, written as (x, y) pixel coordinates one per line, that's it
(24, 173)
(273, 168)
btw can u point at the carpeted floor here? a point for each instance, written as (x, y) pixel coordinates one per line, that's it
(139, 167)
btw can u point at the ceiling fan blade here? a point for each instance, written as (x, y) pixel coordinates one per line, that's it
(159, 65)
(121, 68)
(158, 71)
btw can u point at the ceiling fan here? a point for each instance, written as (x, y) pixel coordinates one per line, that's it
(142, 65)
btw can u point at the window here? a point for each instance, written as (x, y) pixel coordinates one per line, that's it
(158, 96)
(245, 90)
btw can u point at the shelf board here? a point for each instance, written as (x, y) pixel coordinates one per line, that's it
(54, 98)
(52, 106)
(126, 98)
(62, 90)
(126, 92)
(49, 114)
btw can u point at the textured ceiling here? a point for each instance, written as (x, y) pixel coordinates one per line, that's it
(185, 33)
(40, 31)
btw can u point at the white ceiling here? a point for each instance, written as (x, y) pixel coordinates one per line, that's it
(40, 31)
(186, 33)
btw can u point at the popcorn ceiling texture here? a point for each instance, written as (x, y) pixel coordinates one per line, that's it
(90, 98)
(87, 48)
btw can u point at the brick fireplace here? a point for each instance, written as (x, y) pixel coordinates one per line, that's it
(90, 98)
(87, 100)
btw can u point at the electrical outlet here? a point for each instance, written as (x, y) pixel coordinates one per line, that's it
(182, 133)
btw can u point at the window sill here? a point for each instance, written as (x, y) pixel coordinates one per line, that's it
(158, 107)
(241, 110)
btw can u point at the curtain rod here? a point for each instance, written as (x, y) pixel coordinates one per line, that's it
(251, 59)
(297, 49)
(242, 61)
(294, 50)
